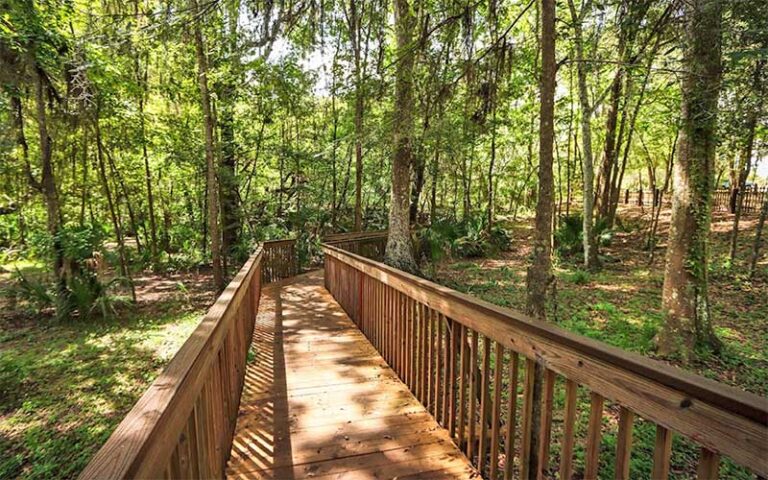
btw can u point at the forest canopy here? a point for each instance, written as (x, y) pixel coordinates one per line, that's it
(168, 134)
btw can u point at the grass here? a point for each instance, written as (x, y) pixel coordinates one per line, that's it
(65, 387)
(621, 306)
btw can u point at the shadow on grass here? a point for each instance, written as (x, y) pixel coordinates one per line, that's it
(64, 388)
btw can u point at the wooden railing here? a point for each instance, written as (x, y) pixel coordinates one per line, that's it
(462, 357)
(182, 426)
(281, 260)
(367, 244)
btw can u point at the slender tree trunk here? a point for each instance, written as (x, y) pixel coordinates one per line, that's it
(758, 240)
(539, 275)
(124, 270)
(399, 251)
(746, 157)
(210, 154)
(147, 170)
(590, 245)
(685, 298)
(354, 23)
(435, 171)
(48, 185)
(652, 238)
(228, 180)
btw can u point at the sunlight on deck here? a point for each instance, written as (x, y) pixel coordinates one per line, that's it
(320, 402)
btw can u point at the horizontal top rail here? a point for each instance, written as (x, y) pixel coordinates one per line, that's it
(278, 241)
(719, 417)
(143, 443)
(343, 237)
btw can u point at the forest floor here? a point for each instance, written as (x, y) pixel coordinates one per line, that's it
(621, 304)
(59, 398)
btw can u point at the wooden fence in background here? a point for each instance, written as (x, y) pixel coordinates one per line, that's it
(367, 244)
(182, 426)
(723, 200)
(281, 260)
(462, 357)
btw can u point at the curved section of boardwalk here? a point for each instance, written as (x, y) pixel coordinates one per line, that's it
(320, 402)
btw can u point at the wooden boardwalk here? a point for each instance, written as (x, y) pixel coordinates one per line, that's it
(320, 402)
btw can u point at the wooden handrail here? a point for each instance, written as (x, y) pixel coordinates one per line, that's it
(717, 417)
(335, 237)
(182, 426)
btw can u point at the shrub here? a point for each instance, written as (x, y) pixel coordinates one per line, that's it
(569, 236)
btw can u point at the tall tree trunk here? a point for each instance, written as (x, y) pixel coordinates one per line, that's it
(354, 23)
(588, 171)
(141, 78)
(685, 298)
(746, 155)
(48, 185)
(113, 215)
(228, 184)
(758, 240)
(435, 171)
(539, 275)
(210, 153)
(399, 251)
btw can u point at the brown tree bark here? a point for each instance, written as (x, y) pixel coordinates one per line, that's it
(228, 180)
(113, 215)
(588, 169)
(47, 183)
(210, 153)
(685, 299)
(354, 25)
(399, 250)
(758, 245)
(746, 154)
(539, 275)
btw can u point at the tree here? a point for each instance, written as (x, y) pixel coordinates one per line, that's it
(210, 152)
(588, 169)
(685, 299)
(539, 275)
(758, 245)
(399, 250)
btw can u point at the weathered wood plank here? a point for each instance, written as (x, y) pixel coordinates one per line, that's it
(357, 424)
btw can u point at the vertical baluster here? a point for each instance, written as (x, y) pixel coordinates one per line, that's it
(438, 365)
(454, 328)
(546, 421)
(498, 358)
(398, 335)
(446, 389)
(569, 423)
(409, 354)
(509, 440)
(472, 422)
(709, 465)
(463, 377)
(528, 401)
(661, 453)
(424, 348)
(624, 444)
(484, 404)
(594, 434)
(428, 314)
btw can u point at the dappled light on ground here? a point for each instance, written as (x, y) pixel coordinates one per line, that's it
(320, 401)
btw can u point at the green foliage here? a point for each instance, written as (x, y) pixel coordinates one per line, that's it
(569, 236)
(469, 238)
